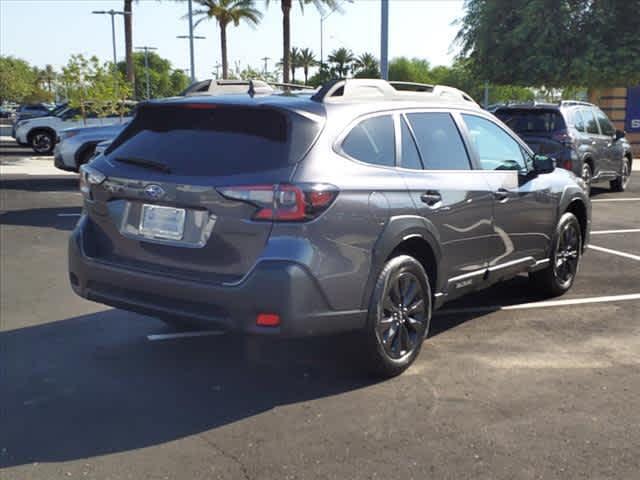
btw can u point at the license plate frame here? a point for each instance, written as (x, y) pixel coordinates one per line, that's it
(161, 222)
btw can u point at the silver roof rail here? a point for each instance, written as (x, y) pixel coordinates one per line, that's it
(576, 102)
(351, 89)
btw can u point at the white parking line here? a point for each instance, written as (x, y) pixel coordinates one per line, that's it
(552, 303)
(170, 336)
(608, 232)
(632, 199)
(615, 252)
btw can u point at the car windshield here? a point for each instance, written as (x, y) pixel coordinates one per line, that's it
(528, 120)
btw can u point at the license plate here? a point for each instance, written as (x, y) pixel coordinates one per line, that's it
(162, 222)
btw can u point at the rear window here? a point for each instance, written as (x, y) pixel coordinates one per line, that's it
(214, 140)
(526, 121)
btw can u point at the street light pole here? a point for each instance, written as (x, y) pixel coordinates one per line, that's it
(191, 38)
(384, 39)
(146, 66)
(191, 49)
(113, 13)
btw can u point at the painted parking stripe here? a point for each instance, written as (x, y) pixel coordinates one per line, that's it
(608, 232)
(615, 252)
(171, 336)
(632, 199)
(552, 303)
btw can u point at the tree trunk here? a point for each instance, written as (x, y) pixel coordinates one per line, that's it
(306, 75)
(223, 47)
(128, 40)
(286, 39)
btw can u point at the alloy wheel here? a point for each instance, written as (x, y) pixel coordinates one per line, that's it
(41, 143)
(402, 318)
(586, 176)
(567, 254)
(626, 174)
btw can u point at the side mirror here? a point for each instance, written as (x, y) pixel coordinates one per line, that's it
(620, 134)
(543, 164)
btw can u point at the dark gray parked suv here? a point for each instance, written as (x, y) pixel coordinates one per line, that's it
(578, 135)
(361, 208)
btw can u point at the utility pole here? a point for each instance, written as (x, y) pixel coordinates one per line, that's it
(384, 39)
(146, 66)
(265, 60)
(191, 50)
(191, 38)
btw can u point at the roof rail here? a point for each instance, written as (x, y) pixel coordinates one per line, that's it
(575, 102)
(342, 90)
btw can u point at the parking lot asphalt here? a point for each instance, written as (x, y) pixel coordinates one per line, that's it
(499, 391)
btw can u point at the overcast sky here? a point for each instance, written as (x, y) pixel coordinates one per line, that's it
(49, 31)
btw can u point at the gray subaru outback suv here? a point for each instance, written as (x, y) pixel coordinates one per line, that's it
(361, 208)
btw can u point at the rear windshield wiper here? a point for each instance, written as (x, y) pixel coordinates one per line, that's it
(141, 162)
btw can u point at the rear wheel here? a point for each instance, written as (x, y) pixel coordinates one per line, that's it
(399, 316)
(42, 142)
(620, 184)
(559, 276)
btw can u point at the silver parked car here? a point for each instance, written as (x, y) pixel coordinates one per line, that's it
(76, 146)
(361, 208)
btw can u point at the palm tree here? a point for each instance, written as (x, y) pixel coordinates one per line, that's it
(49, 76)
(226, 12)
(294, 62)
(342, 58)
(307, 60)
(366, 66)
(285, 6)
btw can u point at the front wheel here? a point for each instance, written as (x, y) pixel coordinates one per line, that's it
(620, 184)
(42, 143)
(399, 316)
(559, 276)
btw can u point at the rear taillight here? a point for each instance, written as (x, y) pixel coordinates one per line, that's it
(89, 176)
(567, 165)
(284, 202)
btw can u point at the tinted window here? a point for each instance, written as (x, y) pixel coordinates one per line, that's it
(605, 125)
(590, 121)
(214, 140)
(439, 141)
(496, 148)
(529, 120)
(578, 121)
(372, 141)
(410, 155)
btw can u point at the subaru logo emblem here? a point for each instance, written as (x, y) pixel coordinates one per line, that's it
(154, 191)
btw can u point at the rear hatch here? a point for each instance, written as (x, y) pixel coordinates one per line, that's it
(162, 205)
(544, 130)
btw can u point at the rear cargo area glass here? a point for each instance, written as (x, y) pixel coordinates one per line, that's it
(539, 121)
(214, 140)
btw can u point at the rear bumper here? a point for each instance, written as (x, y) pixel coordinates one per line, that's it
(275, 286)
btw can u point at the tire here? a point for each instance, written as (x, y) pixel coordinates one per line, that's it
(587, 175)
(560, 275)
(42, 142)
(399, 317)
(621, 183)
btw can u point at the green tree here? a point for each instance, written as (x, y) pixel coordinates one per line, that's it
(93, 87)
(554, 43)
(342, 58)
(285, 6)
(402, 69)
(226, 12)
(294, 63)
(366, 66)
(164, 81)
(307, 60)
(20, 82)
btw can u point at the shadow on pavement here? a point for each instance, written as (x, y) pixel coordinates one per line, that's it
(46, 184)
(94, 385)
(42, 217)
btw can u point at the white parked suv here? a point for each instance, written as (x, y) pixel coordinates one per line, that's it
(41, 133)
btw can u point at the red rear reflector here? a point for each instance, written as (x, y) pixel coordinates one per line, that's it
(268, 320)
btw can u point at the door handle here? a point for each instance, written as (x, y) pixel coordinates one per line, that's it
(501, 195)
(431, 197)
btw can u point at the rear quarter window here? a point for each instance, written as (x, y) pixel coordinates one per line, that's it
(372, 141)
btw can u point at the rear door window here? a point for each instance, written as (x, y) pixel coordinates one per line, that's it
(215, 140)
(439, 141)
(372, 141)
(590, 121)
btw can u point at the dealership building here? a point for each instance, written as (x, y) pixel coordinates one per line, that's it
(622, 106)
